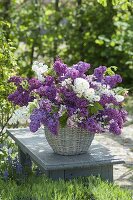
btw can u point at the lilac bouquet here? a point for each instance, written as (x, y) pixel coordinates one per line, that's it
(66, 96)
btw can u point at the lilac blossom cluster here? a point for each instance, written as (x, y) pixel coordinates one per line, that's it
(68, 96)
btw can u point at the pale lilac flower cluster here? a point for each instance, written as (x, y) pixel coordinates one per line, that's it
(67, 96)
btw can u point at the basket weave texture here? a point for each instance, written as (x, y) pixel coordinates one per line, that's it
(69, 141)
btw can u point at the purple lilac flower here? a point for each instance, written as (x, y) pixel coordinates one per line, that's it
(82, 67)
(123, 114)
(82, 125)
(53, 123)
(114, 128)
(107, 100)
(71, 110)
(80, 102)
(49, 80)
(41, 91)
(34, 83)
(92, 125)
(50, 92)
(60, 67)
(45, 104)
(111, 113)
(84, 112)
(114, 117)
(53, 126)
(21, 98)
(16, 80)
(113, 80)
(36, 118)
(99, 72)
(47, 91)
(72, 73)
(69, 96)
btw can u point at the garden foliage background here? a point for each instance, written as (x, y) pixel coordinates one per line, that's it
(96, 31)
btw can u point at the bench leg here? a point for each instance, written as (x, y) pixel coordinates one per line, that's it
(25, 161)
(107, 173)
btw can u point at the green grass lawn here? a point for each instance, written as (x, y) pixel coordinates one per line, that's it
(42, 188)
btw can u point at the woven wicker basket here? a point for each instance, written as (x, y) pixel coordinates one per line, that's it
(69, 141)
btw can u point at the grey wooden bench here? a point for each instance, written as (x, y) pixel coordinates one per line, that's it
(33, 146)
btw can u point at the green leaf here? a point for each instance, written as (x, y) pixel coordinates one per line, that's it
(93, 109)
(120, 90)
(103, 2)
(54, 109)
(51, 72)
(63, 119)
(32, 106)
(25, 84)
(98, 106)
(110, 70)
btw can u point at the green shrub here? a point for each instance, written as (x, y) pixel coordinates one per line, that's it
(42, 188)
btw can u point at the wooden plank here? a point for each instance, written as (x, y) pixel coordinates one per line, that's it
(36, 146)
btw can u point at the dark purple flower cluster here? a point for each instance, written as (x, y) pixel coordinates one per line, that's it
(34, 84)
(59, 67)
(108, 80)
(92, 125)
(49, 80)
(72, 73)
(113, 80)
(37, 116)
(42, 116)
(116, 118)
(16, 80)
(82, 67)
(99, 72)
(20, 97)
(105, 99)
(46, 105)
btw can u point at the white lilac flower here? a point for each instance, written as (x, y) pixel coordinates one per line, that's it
(39, 69)
(105, 90)
(80, 86)
(20, 115)
(63, 83)
(119, 98)
(66, 82)
(89, 94)
(96, 98)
